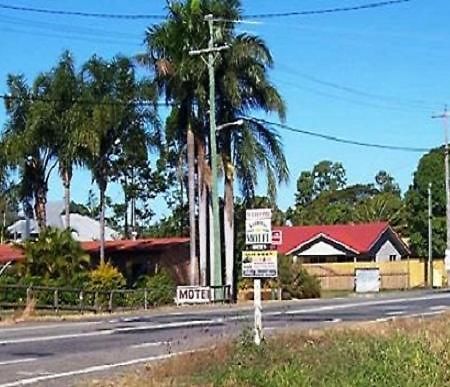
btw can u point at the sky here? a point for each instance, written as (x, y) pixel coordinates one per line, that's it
(374, 75)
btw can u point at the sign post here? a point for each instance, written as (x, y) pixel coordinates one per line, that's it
(259, 262)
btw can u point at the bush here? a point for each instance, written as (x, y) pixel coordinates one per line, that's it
(295, 281)
(161, 288)
(106, 277)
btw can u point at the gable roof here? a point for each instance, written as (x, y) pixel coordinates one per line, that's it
(356, 237)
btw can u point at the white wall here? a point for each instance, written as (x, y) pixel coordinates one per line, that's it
(320, 249)
(385, 251)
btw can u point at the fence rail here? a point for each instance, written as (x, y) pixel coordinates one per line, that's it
(58, 299)
(82, 300)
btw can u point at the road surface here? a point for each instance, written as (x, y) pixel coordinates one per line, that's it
(63, 353)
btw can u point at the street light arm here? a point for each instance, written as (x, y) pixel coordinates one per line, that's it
(239, 122)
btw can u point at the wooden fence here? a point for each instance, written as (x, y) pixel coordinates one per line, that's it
(404, 274)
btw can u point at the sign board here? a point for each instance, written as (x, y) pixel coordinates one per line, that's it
(277, 237)
(259, 264)
(193, 295)
(367, 280)
(258, 227)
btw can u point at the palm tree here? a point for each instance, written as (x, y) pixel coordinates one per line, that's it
(183, 81)
(119, 105)
(29, 140)
(241, 87)
(66, 118)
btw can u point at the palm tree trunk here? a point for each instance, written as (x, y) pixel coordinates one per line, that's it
(191, 194)
(126, 202)
(202, 214)
(228, 218)
(66, 183)
(40, 198)
(102, 225)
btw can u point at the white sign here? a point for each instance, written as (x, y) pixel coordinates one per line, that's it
(367, 280)
(258, 227)
(193, 295)
(259, 213)
(259, 264)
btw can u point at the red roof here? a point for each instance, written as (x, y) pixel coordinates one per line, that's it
(357, 237)
(134, 245)
(10, 253)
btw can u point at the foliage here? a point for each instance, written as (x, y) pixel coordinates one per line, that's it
(106, 277)
(429, 170)
(161, 288)
(324, 198)
(55, 257)
(295, 281)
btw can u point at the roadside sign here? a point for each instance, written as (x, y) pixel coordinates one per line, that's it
(259, 264)
(277, 237)
(367, 280)
(258, 227)
(193, 295)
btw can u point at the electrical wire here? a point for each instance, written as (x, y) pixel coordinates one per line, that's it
(338, 139)
(359, 7)
(87, 102)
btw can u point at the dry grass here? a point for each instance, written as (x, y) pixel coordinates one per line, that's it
(194, 368)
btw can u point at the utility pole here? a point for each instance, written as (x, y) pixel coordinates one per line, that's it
(216, 261)
(430, 239)
(444, 116)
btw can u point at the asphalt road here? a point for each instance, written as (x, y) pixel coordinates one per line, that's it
(62, 354)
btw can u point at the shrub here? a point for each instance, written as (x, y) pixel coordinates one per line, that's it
(161, 288)
(106, 277)
(295, 281)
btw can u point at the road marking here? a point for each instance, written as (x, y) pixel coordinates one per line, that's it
(49, 326)
(153, 344)
(56, 337)
(182, 324)
(98, 368)
(17, 361)
(359, 304)
(438, 307)
(396, 313)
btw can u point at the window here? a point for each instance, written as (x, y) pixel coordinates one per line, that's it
(392, 257)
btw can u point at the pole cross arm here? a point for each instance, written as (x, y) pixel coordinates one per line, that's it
(209, 50)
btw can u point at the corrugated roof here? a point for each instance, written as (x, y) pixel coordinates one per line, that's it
(357, 237)
(10, 253)
(150, 244)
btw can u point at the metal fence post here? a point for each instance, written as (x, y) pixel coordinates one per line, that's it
(110, 306)
(145, 299)
(96, 301)
(81, 300)
(29, 295)
(55, 300)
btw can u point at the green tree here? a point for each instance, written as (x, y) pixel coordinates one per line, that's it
(242, 86)
(29, 140)
(120, 106)
(386, 183)
(429, 170)
(65, 116)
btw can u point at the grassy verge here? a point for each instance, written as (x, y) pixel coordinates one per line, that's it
(401, 353)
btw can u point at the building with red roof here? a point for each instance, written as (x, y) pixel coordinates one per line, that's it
(376, 242)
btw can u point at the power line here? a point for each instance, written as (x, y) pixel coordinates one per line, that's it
(338, 139)
(86, 102)
(81, 14)
(359, 7)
